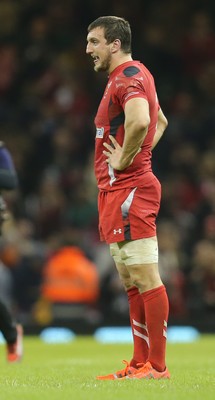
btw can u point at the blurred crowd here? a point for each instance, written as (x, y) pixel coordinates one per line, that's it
(49, 94)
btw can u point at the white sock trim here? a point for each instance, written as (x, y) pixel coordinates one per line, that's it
(139, 324)
(144, 337)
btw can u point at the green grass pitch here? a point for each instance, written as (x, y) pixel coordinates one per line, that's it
(67, 372)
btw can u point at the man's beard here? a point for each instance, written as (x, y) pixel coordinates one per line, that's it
(105, 65)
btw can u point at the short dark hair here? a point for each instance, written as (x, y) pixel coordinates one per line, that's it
(114, 28)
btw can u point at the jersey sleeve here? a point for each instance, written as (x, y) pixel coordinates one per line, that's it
(126, 89)
(157, 101)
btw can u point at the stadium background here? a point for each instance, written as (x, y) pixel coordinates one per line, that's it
(48, 97)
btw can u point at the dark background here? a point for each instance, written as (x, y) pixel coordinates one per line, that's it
(49, 94)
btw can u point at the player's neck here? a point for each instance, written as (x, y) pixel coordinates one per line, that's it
(118, 60)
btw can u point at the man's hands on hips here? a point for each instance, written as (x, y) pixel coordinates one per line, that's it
(114, 155)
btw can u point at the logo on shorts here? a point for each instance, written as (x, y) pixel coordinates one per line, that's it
(115, 231)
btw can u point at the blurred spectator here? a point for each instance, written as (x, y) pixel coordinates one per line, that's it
(24, 256)
(69, 277)
(172, 264)
(198, 49)
(202, 278)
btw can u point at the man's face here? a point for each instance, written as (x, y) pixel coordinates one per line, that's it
(99, 50)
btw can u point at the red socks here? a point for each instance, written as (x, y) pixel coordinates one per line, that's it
(148, 317)
(156, 307)
(138, 325)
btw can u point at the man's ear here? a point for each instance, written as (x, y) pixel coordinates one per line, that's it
(116, 45)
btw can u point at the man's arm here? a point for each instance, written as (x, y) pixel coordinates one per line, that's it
(136, 124)
(161, 126)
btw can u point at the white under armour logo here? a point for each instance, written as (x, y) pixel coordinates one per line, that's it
(115, 231)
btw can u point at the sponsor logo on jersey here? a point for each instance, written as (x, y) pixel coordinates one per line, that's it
(100, 132)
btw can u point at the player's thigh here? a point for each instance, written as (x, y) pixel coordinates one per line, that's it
(141, 260)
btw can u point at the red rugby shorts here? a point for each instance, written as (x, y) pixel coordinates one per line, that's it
(130, 213)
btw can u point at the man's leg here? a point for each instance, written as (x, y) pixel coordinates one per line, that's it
(136, 309)
(137, 320)
(138, 326)
(7, 327)
(146, 277)
(12, 333)
(137, 317)
(157, 310)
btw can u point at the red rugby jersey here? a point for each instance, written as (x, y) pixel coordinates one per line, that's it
(129, 80)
